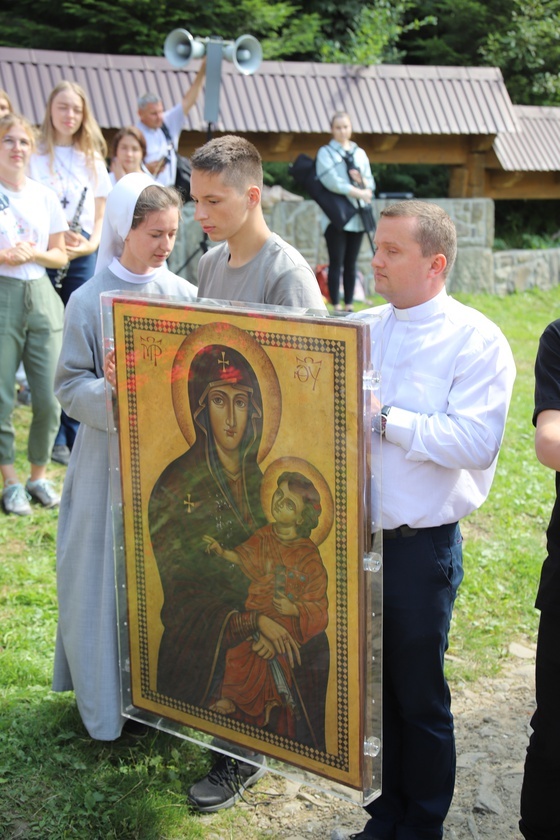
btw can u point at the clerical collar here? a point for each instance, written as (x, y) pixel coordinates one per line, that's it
(423, 310)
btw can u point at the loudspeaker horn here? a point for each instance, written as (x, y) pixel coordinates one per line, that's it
(245, 54)
(180, 47)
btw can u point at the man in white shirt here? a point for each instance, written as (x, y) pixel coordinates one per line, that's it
(447, 374)
(161, 155)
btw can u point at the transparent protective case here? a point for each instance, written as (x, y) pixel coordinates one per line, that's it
(245, 484)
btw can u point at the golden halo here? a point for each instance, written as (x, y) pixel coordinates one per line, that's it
(288, 464)
(223, 333)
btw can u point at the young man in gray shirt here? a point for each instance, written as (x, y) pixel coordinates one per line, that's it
(253, 265)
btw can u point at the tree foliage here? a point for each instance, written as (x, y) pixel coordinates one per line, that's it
(455, 33)
(321, 30)
(519, 36)
(139, 27)
(372, 37)
(528, 52)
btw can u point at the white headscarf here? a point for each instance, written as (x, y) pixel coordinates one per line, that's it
(117, 220)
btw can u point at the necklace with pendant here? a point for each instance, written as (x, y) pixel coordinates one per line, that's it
(65, 200)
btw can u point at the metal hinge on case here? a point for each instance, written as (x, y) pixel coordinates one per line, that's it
(372, 561)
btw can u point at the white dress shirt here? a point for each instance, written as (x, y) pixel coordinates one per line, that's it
(447, 372)
(158, 146)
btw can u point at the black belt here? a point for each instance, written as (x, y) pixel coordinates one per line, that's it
(403, 531)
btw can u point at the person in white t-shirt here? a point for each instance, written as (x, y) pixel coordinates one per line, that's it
(32, 227)
(161, 157)
(71, 160)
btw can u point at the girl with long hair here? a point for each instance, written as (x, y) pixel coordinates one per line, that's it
(70, 160)
(343, 168)
(32, 227)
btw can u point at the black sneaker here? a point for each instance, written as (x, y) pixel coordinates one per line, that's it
(225, 783)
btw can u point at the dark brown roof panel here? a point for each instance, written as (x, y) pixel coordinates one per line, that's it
(297, 97)
(536, 147)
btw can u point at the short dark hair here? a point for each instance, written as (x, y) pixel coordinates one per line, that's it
(436, 232)
(233, 157)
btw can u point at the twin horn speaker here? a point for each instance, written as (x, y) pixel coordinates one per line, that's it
(180, 47)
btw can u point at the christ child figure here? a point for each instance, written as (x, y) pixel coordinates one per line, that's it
(289, 585)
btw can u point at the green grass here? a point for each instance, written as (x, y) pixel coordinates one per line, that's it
(56, 782)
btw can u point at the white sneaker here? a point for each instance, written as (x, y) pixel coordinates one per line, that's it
(16, 500)
(43, 491)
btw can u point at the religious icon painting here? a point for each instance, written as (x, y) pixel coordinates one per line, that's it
(242, 462)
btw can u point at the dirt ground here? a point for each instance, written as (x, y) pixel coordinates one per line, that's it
(492, 724)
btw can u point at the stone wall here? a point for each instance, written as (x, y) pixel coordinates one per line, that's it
(477, 269)
(517, 271)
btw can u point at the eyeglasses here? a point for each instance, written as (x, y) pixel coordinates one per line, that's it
(12, 142)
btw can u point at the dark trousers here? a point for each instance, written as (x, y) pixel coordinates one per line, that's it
(421, 575)
(343, 247)
(81, 269)
(540, 819)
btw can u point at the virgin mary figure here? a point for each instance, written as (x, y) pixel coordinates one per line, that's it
(215, 483)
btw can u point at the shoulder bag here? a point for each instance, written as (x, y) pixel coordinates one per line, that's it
(338, 208)
(184, 169)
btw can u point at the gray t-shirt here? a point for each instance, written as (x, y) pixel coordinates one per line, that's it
(278, 275)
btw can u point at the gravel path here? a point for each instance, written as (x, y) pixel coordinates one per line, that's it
(492, 720)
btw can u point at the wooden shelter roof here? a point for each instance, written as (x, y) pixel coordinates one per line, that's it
(461, 117)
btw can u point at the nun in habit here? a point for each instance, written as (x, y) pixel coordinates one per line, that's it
(139, 229)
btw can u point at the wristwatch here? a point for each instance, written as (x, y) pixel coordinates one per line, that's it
(380, 420)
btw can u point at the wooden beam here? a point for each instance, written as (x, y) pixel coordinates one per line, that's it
(458, 182)
(380, 143)
(469, 181)
(281, 143)
(447, 150)
(472, 173)
(477, 175)
(531, 185)
(504, 180)
(481, 142)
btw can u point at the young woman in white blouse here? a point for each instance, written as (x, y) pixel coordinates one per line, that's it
(32, 228)
(71, 160)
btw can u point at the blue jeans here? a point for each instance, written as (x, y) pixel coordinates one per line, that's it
(421, 575)
(80, 270)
